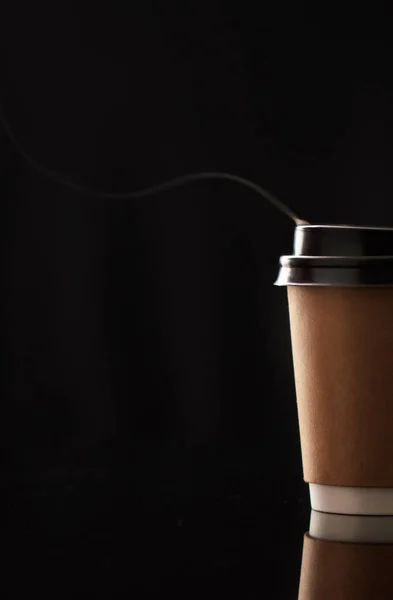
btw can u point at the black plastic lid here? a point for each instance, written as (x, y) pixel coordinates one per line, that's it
(339, 255)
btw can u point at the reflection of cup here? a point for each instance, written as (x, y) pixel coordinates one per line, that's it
(336, 568)
(340, 291)
(357, 529)
(345, 571)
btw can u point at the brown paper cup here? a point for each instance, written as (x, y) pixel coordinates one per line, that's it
(341, 319)
(344, 571)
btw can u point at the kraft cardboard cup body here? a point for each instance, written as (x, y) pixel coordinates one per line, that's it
(344, 571)
(340, 294)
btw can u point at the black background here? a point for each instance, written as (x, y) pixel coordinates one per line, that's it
(148, 427)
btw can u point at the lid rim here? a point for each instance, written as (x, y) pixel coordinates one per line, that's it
(341, 227)
(337, 262)
(312, 275)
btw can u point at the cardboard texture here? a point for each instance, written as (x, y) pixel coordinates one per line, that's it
(343, 571)
(342, 341)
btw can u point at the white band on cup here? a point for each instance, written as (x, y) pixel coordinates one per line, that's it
(351, 500)
(355, 529)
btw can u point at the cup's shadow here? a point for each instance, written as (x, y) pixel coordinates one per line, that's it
(347, 558)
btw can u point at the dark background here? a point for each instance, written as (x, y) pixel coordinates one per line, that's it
(148, 428)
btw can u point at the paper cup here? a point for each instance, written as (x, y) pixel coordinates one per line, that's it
(340, 294)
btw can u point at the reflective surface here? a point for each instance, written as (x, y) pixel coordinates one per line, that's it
(96, 537)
